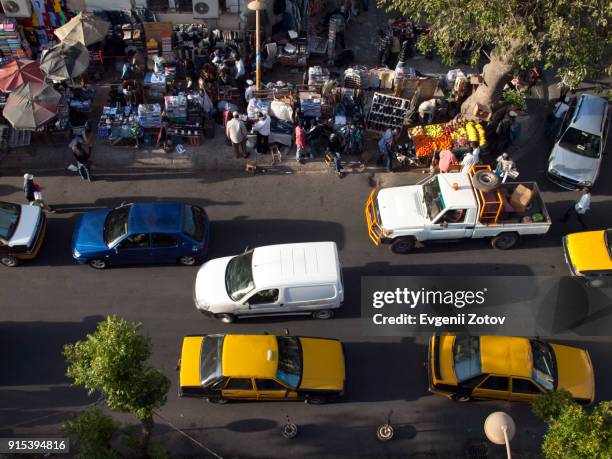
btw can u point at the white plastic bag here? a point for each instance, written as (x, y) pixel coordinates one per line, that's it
(73, 168)
(38, 196)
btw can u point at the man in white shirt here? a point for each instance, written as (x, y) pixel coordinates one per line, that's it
(580, 208)
(475, 151)
(427, 110)
(556, 117)
(248, 93)
(237, 133)
(467, 162)
(262, 127)
(505, 165)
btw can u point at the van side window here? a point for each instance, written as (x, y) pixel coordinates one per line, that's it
(265, 296)
(310, 293)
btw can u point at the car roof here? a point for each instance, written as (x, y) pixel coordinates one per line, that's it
(155, 217)
(463, 196)
(301, 263)
(590, 113)
(247, 356)
(505, 355)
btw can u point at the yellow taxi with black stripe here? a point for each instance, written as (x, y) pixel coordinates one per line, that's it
(589, 256)
(462, 367)
(261, 367)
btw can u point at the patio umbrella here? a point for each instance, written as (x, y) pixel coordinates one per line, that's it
(84, 28)
(17, 73)
(31, 105)
(65, 61)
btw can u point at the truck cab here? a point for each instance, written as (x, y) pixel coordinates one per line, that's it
(22, 230)
(451, 207)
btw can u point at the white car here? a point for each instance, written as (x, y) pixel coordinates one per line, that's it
(576, 157)
(285, 279)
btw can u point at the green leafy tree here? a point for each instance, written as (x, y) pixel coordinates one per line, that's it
(573, 432)
(92, 432)
(113, 361)
(572, 37)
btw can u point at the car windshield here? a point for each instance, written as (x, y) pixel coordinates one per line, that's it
(210, 359)
(433, 198)
(193, 222)
(239, 276)
(580, 142)
(608, 239)
(9, 216)
(116, 224)
(289, 360)
(466, 357)
(544, 368)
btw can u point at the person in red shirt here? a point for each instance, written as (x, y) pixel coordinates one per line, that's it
(300, 142)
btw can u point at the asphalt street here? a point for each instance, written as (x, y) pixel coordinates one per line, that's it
(52, 301)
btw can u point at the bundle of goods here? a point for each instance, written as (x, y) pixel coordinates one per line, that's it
(257, 105)
(170, 72)
(310, 103)
(447, 136)
(112, 119)
(176, 108)
(356, 77)
(149, 115)
(317, 75)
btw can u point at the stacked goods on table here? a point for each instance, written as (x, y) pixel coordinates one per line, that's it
(166, 44)
(152, 47)
(356, 77)
(176, 108)
(112, 120)
(11, 44)
(310, 103)
(317, 75)
(149, 115)
(446, 136)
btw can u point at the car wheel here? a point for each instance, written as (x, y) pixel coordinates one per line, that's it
(217, 400)
(98, 263)
(316, 400)
(226, 318)
(402, 245)
(324, 314)
(504, 241)
(484, 180)
(9, 261)
(187, 261)
(461, 398)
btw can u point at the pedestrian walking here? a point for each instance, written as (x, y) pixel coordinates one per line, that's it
(335, 148)
(314, 137)
(555, 118)
(236, 131)
(33, 193)
(580, 208)
(248, 92)
(262, 128)
(300, 142)
(384, 47)
(82, 155)
(385, 147)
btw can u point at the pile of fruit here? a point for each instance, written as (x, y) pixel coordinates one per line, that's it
(446, 136)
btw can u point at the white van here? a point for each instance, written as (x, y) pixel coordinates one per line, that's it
(285, 279)
(576, 158)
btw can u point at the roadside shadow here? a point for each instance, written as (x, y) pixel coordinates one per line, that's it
(8, 189)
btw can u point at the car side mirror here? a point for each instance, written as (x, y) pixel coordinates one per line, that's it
(116, 249)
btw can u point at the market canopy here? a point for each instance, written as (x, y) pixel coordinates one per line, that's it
(84, 28)
(17, 73)
(31, 105)
(65, 61)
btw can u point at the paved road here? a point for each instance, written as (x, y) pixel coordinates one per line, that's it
(52, 301)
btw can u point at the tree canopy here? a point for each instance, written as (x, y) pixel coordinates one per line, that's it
(573, 37)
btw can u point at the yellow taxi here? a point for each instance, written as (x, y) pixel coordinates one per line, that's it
(462, 367)
(589, 255)
(261, 367)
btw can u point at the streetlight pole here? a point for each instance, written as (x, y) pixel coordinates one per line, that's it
(257, 6)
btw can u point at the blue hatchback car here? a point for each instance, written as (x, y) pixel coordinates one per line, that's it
(141, 233)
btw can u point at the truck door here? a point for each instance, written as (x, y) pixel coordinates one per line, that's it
(451, 224)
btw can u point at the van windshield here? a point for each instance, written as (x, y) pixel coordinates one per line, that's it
(433, 198)
(239, 276)
(9, 216)
(116, 224)
(580, 142)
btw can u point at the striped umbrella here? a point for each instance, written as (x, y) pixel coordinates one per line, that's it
(19, 72)
(31, 105)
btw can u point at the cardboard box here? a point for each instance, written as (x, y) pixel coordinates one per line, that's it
(521, 198)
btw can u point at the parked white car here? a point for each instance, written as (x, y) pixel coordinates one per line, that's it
(286, 279)
(576, 158)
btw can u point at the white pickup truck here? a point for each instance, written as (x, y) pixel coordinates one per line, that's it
(450, 207)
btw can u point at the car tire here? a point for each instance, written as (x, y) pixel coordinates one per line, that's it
(316, 400)
(217, 400)
(323, 314)
(402, 245)
(9, 261)
(226, 318)
(187, 261)
(461, 398)
(504, 241)
(484, 180)
(98, 263)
